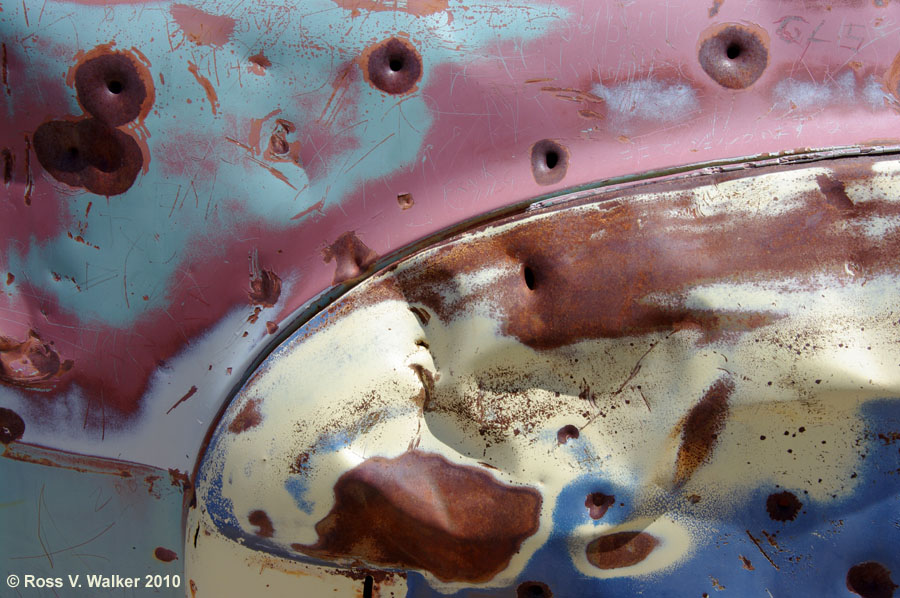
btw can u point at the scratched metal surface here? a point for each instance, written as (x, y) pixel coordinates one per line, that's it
(181, 182)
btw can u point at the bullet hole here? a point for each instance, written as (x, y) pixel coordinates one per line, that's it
(88, 154)
(870, 580)
(566, 433)
(405, 200)
(733, 55)
(549, 162)
(368, 584)
(394, 66)
(598, 504)
(551, 158)
(111, 88)
(12, 426)
(733, 51)
(783, 506)
(533, 589)
(528, 275)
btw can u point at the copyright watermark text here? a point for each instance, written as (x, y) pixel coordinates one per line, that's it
(91, 580)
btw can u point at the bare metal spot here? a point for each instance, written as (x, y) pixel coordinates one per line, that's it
(701, 428)
(264, 525)
(12, 426)
(621, 549)
(420, 511)
(870, 580)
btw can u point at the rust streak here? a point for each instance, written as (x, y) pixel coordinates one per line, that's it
(29, 177)
(313, 208)
(4, 69)
(207, 87)
(277, 173)
(186, 396)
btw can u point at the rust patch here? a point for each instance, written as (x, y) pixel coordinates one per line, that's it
(419, 8)
(265, 286)
(834, 191)
(549, 161)
(870, 580)
(193, 585)
(165, 555)
(351, 256)
(201, 27)
(783, 506)
(184, 398)
(598, 504)
(271, 327)
(420, 511)
(31, 363)
(714, 9)
(89, 154)
(12, 426)
(533, 589)
(405, 200)
(621, 549)
(248, 417)
(10, 278)
(734, 55)
(700, 429)
(566, 433)
(262, 522)
(9, 162)
(208, 88)
(746, 564)
(113, 87)
(394, 66)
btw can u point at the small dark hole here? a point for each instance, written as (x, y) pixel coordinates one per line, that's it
(114, 86)
(528, 273)
(367, 586)
(733, 51)
(73, 152)
(551, 158)
(396, 63)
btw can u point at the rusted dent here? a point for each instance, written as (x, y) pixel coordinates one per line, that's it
(599, 503)
(601, 286)
(405, 200)
(165, 555)
(265, 285)
(31, 363)
(12, 426)
(549, 161)
(88, 154)
(783, 506)
(351, 256)
(280, 149)
(533, 589)
(394, 66)
(112, 87)
(271, 327)
(262, 522)
(621, 549)
(420, 511)
(10, 278)
(871, 580)
(566, 433)
(734, 55)
(701, 428)
(248, 417)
